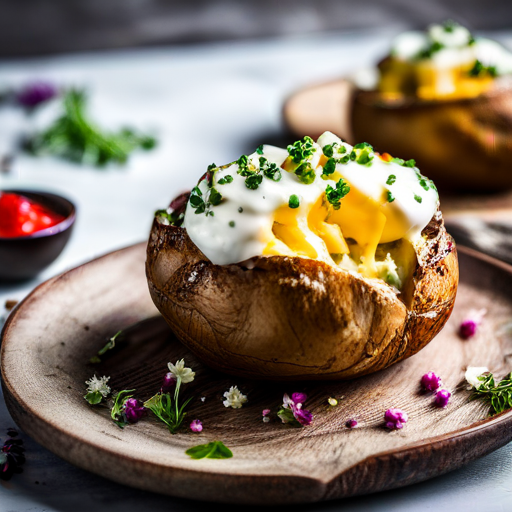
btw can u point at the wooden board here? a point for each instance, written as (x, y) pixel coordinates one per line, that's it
(50, 337)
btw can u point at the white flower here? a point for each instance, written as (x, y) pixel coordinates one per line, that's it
(95, 385)
(181, 372)
(234, 398)
(472, 374)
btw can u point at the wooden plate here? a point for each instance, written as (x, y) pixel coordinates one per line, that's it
(50, 337)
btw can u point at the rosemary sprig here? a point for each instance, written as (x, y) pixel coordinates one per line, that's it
(497, 395)
(74, 137)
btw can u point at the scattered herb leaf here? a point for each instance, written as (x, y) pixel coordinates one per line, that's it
(213, 450)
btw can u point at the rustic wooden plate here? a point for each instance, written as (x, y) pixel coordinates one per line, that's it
(50, 337)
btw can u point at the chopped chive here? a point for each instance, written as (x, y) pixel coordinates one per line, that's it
(294, 201)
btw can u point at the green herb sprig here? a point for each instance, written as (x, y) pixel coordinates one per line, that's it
(73, 136)
(335, 195)
(116, 413)
(301, 150)
(213, 450)
(109, 346)
(497, 395)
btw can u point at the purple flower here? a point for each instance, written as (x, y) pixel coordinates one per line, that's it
(196, 426)
(169, 383)
(12, 456)
(265, 413)
(442, 398)
(134, 410)
(351, 424)
(35, 93)
(299, 398)
(292, 412)
(395, 418)
(430, 381)
(470, 324)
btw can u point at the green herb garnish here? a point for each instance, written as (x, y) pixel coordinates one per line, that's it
(391, 197)
(305, 173)
(116, 413)
(109, 346)
(259, 149)
(301, 150)
(74, 137)
(227, 179)
(335, 195)
(418, 199)
(427, 53)
(173, 219)
(329, 167)
(362, 153)
(391, 179)
(161, 405)
(253, 181)
(497, 395)
(294, 201)
(479, 69)
(196, 200)
(215, 197)
(270, 169)
(410, 163)
(231, 223)
(213, 450)
(424, 184)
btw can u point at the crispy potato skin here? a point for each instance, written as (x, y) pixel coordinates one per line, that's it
(295, 318)
(460, 144)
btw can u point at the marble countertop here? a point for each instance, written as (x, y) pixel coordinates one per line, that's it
(206, 103)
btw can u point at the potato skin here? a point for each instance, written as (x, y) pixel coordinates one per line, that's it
(460, 144)
(286, 318)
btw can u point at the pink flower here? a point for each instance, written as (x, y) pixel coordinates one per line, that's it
(470, 324)
(292, 412)
(134, 410)
(351, 423)
(265, 413)
(395, 418)
(169, 383)
(196, 426)
(442, 398)
(430, 381)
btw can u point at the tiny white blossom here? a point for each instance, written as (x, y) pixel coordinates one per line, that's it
(203, 398)
(181, 372)
(234, 398)
(472, 374)
(95, 385)
(266, 419)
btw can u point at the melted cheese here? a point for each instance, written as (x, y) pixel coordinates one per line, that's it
(254, 222)
(414, 69)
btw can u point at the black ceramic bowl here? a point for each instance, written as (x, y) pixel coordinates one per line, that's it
(24, 257)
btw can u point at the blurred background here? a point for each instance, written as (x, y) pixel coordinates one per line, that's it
(35, 27)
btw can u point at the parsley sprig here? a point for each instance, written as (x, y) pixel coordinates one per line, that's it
(497, 395)
(73, 136)
(204, 203)
(479, 70)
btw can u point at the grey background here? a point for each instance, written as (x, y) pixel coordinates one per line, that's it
(32, 27)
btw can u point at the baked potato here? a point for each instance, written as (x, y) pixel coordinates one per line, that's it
(379, 287)
(446, 98)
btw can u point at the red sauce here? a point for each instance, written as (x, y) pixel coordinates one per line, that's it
(20, 216)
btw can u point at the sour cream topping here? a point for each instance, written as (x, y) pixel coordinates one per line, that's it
(387, 201)
(454, 46)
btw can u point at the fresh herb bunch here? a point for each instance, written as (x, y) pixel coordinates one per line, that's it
(497, 395)
(335, 195)
(74, 137)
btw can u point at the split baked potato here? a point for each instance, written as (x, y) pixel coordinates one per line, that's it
(445, 98)
(288, 314)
